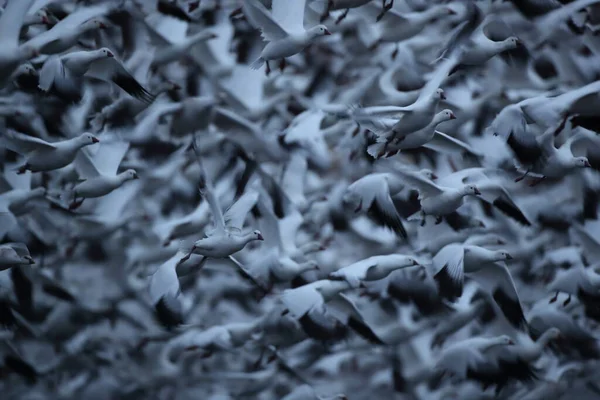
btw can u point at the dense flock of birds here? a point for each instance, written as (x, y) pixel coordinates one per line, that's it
(299, 199)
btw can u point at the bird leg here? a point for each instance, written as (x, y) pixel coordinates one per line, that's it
(519, 179)
(326, 13)
(537, 181)
(395, 52)
(282, 64)
(356, 130)
(186, 257)
(392, 153)
(423, 218)
(386, 8)
(562, 124)
(341, 17)
(23, 169)
(567, 301)
(75, 204)
(268, 69)
(357, 209)
(553, 299)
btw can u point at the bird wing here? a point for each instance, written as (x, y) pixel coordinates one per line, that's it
(109, 154)
(447, 144)
(164, 281)
(236, 214)
(69, 23)
(260, 17)
(51, 70)
(292, 181)
(111, 69)
(585, 143)
(24, 144)
(435, 81)
(425, 186)
(496, 279)
(494, 193)
(207, 191)
(7, 221)
(289, 14)
(301, 300)
(384, 211)
(84, 165)
(11, 22)
(449, 271)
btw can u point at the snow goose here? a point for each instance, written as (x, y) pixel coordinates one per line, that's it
(437, 200)
(226, 238)
(284, 29)
(480, 48)
(513, 363)
(580, 281)
(550, 111)
(18, 199)
(464, 358)
(395, 26)
(64, 74)
(98, 172)
(43, 156)
(12, 54)
(284, 260)
(164, 292)
(491, 191)
(420, 113)
(373, 268)
(14, 254)
(576, 341)
(455, 260)
(312, 296)
(393, 139)
(65, 34)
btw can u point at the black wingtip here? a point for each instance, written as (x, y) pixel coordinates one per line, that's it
(447, 287)
(169, 312)
(511, 309)
(511, 211)
(319, 326)
(131, 86)
(364, 331)
(392, 222)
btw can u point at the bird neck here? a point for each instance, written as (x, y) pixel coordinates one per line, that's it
(488, 343)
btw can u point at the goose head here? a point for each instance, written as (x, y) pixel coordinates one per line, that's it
(256, 235)
(504, 340)
(429, 174)
(511, 43)
(471, 190)
(502, 255)
(439, 94)
(129, 174)
(87, 139)
(93, 24)
(318, 30)
(581, 162)
(444, 115)
(105, 53)
(10, 256)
